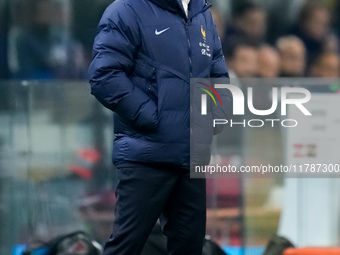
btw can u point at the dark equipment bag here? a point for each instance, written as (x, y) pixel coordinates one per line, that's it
(76, 243)
(156, 244)
(277, 245)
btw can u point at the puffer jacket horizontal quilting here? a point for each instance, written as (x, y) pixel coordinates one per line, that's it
(144, 57)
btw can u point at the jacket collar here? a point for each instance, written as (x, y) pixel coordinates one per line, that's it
(175, 6)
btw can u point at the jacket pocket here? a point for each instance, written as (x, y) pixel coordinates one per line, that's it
(144, 76)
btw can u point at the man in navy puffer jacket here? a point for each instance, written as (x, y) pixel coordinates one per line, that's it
(145, 53)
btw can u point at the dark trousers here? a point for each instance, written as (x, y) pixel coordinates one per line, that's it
(146, 193)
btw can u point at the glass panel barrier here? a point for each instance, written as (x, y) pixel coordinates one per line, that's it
(56, 174)
(278, 186)
(55, 160)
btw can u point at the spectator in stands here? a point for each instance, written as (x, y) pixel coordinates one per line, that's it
(82, 17)
(44, 48)
(326, 65)
(268, 62)
(241, 60)
(4, 23)
(293, 56)
(249, 24)
(219, 22)
(314, 29)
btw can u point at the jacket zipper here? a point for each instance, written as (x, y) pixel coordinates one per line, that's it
(186, 24)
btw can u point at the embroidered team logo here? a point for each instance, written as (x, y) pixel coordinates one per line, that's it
(205, 48)
(203, 33)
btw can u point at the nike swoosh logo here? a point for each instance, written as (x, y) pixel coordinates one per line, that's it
(162, 31)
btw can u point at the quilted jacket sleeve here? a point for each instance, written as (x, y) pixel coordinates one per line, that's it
(219, 70)
(114, 49)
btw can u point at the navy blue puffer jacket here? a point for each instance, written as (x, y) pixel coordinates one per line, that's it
(145, 53)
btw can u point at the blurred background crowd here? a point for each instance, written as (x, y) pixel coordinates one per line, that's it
(263, 42)
(52, 39)
(257, 43)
